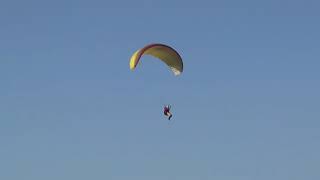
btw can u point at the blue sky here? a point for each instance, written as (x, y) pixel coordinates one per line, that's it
(246, 106)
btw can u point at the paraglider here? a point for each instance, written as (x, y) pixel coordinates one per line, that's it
(166, 54)
(166, 111)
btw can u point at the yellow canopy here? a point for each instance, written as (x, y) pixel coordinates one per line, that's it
(163, 52)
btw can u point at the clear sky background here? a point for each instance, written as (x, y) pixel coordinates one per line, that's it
(245, 108)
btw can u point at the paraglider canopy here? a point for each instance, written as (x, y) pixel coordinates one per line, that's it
(161, 51)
